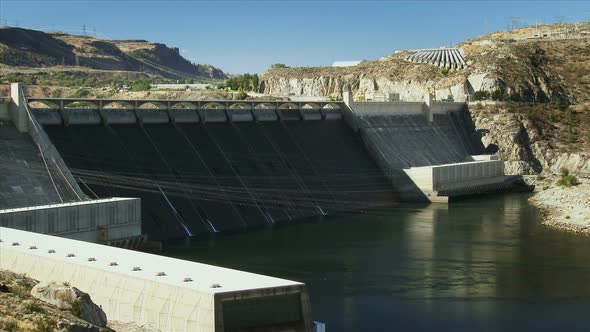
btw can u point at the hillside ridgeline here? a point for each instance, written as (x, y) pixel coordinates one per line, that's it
(24, 48)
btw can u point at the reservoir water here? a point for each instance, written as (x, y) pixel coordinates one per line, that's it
(484, 264)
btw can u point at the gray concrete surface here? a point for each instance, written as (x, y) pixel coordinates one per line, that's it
(99, 220)
(165, 293)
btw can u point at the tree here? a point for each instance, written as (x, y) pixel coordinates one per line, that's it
(481, 95)
(278, 65)
(141, 85)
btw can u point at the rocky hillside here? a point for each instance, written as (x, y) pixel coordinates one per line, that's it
(534, 139)
(29, 306)
(34, 49)
(525, 68)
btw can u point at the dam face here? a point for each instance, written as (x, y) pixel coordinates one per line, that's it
(197, 178)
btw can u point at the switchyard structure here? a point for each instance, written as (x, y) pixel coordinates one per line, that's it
(441, 57)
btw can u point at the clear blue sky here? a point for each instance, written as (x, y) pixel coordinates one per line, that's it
(249, 36)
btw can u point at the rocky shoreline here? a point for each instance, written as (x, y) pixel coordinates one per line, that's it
(565, 208)
(29, 306)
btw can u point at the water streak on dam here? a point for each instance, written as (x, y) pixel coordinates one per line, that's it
(210, 177)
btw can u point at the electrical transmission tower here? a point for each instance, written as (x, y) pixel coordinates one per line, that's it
(84, 29)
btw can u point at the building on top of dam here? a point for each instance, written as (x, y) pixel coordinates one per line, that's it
(165, 293)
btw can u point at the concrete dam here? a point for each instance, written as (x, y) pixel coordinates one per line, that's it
(114, 171)
(221, 166)
(195, 178)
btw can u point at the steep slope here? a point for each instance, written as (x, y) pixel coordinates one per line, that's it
(30, 48)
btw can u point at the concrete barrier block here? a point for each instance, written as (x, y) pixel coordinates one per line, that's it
(81, 117)
(239, 115)
(119, 116)
(289, 115)
(332, 114)
(213, 115)
(310, 114)
(48, 117)
(184, 116)
(263, 115)
(152, 116)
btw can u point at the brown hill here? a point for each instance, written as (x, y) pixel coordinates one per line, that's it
(30, 48)
(535, 64)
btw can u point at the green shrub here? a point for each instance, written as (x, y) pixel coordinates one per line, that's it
(444, 71)
(141, 85)
(481, 95)
(278, 65)
(242, 95)
(567, 179)
(562, 103)
(32, 306)
(45, 325)
(499, 94)
(8, 324)
(80, 93)
(245, 82)
(515, 96)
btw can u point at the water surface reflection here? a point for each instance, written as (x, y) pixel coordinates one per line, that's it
(483, 264)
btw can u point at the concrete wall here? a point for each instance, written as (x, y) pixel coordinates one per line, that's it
(165, 293)
(152, 116)
(17, 108)
(457, 176)
(213, 115)
(81, 117)
(24, 120)
(469, 174)
(441, 107)
(93, 221)
(4, 114)
(263, 115)
(48, 117)
(184, 116)
(114, 116)
(239, 115)
(388, 108)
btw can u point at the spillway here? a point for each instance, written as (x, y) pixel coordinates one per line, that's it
(401, 142)
(196, 178)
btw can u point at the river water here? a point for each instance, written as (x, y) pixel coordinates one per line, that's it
(482, 264)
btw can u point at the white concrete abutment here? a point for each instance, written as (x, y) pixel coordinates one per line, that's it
(168, 294)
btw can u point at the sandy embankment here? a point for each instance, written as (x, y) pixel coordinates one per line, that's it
(565, 208)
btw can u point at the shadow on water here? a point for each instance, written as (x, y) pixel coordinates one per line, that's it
(484, 264)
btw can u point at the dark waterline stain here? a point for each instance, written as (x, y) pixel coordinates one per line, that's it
(483, 264)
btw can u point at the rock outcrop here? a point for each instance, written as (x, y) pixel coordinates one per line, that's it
(525, 69)
(519, 142)
(70, 298)
(37, 49)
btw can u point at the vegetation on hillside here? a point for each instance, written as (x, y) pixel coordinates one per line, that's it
(20, 312)
(30, 48)
(567, 179)
(245, 82)
(557, 124)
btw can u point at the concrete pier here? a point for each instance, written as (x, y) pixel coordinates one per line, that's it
(165, 293)
(66, 110)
